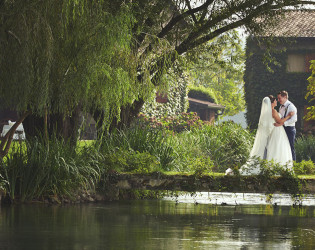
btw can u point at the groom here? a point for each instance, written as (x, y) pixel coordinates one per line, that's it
(289, 125)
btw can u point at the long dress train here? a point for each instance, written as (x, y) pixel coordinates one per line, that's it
(271, 143)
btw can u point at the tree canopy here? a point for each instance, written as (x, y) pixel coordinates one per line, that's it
(57, 56)
(108, 55)
(219, 66)
(165, 31)
(61, 54)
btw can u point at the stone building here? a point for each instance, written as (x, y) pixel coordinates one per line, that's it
(291, 46)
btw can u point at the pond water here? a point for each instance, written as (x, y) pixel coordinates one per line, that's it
(183, 223)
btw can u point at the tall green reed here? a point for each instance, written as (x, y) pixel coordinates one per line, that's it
(190, 153)
(48, 168)
(157, 143)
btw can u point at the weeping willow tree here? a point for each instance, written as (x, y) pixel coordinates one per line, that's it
(61, 57)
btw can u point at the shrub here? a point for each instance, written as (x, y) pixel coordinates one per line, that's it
(187, 145)
(202, 165)
(142, 139)
(304, 167)
(132, 161)
(222, 146)
(182, 122)
(227, 144)
(305, 148)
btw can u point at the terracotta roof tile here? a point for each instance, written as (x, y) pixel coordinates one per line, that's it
(295, 23)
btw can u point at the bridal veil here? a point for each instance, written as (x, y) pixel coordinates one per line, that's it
(265, 127)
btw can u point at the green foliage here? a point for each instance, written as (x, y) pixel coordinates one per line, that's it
(310, 95)
(305, 148)
(48, 169)
(201, 166)
(216, 147)
(202, 148)
(108, 55)
(131, 161)
(219, 66)
(207, 148)
(202, 93)
(227, 144)
(292, 183)
(3, 184)
(141, 140)
(270, 168)
(261, 82)
(304, 167)
(61, 55)
(270, 173)
(214, 72)
(179, 123)
(184, 29)
(40, 169)
(175, 90)
(192, 157)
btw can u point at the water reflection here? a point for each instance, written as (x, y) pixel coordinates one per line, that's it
(156, 225)
(219, 198)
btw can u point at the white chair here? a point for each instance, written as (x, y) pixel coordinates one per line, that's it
(19, 132)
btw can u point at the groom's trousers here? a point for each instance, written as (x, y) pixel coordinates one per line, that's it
(291, 132)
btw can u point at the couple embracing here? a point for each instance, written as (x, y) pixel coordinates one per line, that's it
(275, 134)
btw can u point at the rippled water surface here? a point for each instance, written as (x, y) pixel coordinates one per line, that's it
(183, 223)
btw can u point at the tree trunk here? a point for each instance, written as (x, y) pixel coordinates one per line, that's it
(127, 116)
(54, 125)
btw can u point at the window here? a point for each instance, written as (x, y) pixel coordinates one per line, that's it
(161, 97)
(299, 62)
(296, 63)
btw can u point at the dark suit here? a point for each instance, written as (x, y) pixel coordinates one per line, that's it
(289, 125)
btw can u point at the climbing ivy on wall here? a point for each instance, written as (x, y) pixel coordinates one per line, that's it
(261, 81)
(175, 89)
(177, 92)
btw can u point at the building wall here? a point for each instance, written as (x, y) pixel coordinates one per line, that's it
(261, 81)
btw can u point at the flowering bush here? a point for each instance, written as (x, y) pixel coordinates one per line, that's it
(182, 122)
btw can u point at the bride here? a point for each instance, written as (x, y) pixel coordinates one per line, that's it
(271, 142)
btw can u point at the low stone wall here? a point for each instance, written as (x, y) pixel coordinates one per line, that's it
(192, 183)
(122, 186)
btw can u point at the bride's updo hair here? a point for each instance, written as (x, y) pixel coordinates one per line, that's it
(272, 98)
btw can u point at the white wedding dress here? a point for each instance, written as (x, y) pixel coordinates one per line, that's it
(278, 148)
(271, 143)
